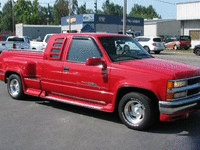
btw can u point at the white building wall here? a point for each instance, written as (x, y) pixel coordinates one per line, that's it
(188, 10)
(150, 30)
(19, 29)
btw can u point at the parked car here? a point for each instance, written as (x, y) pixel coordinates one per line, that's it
(154, 44)
(178, 42)
(196, 50)
(15, 42)
(39, 45)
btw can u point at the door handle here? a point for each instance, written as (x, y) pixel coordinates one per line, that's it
(65, 68)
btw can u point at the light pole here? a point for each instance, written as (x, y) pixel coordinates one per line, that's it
(124, 16)
(69, 16)
(13, 15)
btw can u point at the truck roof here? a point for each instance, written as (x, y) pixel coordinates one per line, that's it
(90, 34)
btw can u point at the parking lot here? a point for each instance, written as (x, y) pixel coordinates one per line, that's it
(38, 124)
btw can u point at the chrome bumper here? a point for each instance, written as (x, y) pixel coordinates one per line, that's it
(177, 106)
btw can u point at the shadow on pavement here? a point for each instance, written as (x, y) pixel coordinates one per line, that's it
(191, 125)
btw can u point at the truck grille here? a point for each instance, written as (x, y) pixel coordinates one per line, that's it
(194, 80)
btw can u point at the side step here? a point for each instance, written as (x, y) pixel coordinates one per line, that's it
(74, 103)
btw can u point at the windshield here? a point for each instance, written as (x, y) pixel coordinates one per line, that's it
(16, 39)
(185, 38)
(123, 48)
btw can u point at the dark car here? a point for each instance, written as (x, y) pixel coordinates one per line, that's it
(196, 50)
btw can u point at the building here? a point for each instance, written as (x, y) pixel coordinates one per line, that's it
(188, 13)
(162, 27)
(35, 31)
(101, 23)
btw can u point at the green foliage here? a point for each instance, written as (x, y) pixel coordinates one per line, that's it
(82, 10)
(30, 12)
(143, 12)
(112, 9)
(23, 11)
(6, 17)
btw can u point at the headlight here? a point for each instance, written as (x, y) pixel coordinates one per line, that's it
(176, 84)
(174, 90)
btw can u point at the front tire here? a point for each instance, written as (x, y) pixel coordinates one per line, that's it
(136, 111)
(14, 87)
(197, 52)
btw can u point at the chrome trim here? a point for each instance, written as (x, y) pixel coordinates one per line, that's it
(175, 106)
(185, 88)
(74, 103)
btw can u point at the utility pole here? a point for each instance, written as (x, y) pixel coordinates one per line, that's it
(69, 15)
(124, 16)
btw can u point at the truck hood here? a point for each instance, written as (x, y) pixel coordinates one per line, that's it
(166, 67)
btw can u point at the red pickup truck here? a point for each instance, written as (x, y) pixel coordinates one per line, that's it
(105, 72)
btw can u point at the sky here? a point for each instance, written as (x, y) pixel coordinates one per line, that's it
(165, 8)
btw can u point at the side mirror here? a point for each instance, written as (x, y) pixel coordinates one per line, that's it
(96, 61)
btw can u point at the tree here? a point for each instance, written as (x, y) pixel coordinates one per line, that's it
(143, 12)
(112, 9)
(6, 17)
(82, 9)
(61, 9)
(22, 10)
(35, 13)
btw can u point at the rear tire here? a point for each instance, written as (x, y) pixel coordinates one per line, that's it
(157, 52)
(137, 111)
(14, 87)
(175, 47)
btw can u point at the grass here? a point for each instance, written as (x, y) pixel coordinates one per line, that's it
(182, 50)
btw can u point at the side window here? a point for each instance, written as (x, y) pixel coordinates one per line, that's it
(82, 49)
(56, 49)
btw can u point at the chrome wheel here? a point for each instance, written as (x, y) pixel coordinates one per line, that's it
(137, 111)
(14, 87)
(134, 112)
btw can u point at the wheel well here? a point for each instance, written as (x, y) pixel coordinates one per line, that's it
(124, 90)
(8, 74)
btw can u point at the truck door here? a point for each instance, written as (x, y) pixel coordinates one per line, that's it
(81, 82)
(53, 65)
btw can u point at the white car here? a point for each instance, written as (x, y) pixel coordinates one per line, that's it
(154, 44)
(40, 45)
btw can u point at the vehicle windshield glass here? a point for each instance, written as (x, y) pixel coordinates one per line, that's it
(123, 48)
(157, 39)
(47, 38)
(185, 38)
(16, 39)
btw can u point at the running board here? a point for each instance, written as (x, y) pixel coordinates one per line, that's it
(74, 103)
